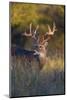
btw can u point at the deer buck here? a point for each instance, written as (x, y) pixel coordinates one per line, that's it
(39, 51)
(42, 44)
(39, 45)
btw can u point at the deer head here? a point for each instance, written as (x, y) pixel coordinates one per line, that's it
(41, 51)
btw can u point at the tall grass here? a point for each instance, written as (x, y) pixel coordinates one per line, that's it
(56, 63)
(28, 80)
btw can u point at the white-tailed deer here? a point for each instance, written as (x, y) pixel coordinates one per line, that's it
(40, 45)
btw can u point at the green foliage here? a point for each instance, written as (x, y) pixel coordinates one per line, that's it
(22, 14)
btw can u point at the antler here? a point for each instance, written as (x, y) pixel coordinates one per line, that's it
(45, 40)
(51, 32)
(34, 34)
(41, 41)
(28, 34)
(31, 34)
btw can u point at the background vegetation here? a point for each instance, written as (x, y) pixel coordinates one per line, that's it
(26, 81)
(21, 15)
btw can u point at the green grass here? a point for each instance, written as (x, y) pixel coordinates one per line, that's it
(28, 80)
(54, 64)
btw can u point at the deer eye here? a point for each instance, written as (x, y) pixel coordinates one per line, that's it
(40, 46)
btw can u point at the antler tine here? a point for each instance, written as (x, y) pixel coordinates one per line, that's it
(30, 27)
(36, 29)
(49, 29)
(54, 27)
(44, 41)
